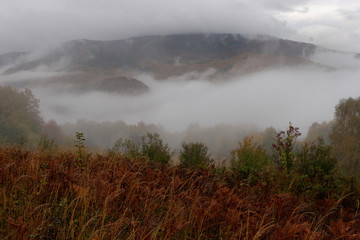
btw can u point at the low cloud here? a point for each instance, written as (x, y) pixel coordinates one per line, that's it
(33, 25)
(302, 94)
(274, 97)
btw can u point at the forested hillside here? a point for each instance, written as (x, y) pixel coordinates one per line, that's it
(112, 66)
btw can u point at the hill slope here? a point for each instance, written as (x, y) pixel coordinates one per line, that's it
(171, 55)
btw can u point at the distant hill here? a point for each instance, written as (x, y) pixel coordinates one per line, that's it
(167, 56)
(10, 58)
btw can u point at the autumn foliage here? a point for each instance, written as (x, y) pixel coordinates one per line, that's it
(48, 195)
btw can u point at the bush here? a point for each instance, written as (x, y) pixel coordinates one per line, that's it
(127, 148)
(154, 149)
(284, 147)
(194, 155)
(150, 147)
(249, 160)
(315, 168)
(315, 160)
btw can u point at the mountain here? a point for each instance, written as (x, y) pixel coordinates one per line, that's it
(166, 56)
(10, 58)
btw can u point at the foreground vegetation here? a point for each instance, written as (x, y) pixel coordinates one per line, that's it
(278, 189)
(52, 194)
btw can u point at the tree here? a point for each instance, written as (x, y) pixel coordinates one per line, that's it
(317, 130)
(153, 147)
(284, 146)
(19, 115)
(269, 136)
(53, 131)
(315, 169)
(248, 160)
(345, 135)
(194, 155)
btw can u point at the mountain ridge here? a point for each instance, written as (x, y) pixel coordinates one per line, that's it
(166, 56)
(133, 52)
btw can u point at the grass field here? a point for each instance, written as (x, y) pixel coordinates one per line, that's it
(53, 195)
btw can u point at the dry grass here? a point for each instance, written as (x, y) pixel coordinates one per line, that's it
(49, 196)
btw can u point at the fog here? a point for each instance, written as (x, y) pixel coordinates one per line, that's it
(31, 25)
(195, 106)
(240, 101)
(266, 98)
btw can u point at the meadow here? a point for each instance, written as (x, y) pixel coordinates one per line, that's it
(65, 194)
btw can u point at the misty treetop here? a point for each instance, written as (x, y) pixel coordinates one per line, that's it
(345, 136)
(321, 130)
(19, 115)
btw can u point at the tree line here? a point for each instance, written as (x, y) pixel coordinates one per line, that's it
(20, 123)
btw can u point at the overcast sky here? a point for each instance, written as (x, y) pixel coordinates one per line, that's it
(35, 24)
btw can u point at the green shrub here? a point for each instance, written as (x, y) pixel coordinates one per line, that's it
(315, 160)
(150, 147)
(194, 155)
(127, 148)
(249, 161)
(315, 169)
(153, 147)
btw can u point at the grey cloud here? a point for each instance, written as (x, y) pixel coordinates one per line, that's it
(351, 15)
(286, 5)
(35, 24)
(303, 10)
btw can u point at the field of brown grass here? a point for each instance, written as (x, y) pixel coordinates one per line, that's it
(50, 195)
